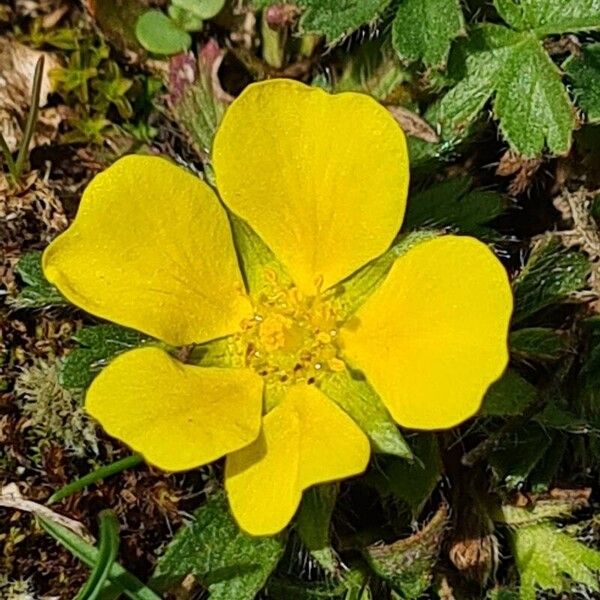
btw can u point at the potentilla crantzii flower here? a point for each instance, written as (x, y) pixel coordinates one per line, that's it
(307, 345)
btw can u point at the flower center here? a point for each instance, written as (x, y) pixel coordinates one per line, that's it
(291, 338)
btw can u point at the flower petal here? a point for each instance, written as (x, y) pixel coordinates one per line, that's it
(151, 249)
(178, 416)
(305, 440)
(433, 337)
(321, 178)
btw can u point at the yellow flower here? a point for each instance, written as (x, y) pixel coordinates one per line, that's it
(322, 180)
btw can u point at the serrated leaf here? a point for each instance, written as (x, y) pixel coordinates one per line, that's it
(538, 343)
(160, 35)
(408, 563)
(509, 396)
(414, 481)
(230, 563)
(38, 292)
(100, 344)
(532, 104)
(584, 72)
(453, 203)
(508, 66)
(549, 559)
(337, 18)
(424, 29)
(547, 17)
(313, 523)
(357, 398)
(550, 275)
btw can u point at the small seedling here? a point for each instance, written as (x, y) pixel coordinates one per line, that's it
(162, 34)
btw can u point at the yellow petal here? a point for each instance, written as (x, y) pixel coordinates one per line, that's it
(178, 416)
(433, 337)
(151, 249)
(321, 178)
(305, 440)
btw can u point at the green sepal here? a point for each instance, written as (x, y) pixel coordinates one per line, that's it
(351, 293)
(313, 523)
(256, 258)
(359, 400)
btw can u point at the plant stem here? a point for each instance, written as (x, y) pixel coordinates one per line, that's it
(31, 118)
(95, 476)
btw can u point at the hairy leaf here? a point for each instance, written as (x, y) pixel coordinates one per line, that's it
(408, 563)
(336, 18)
(512, 69)
(230, 563)
(584, 72)
(453, 203)
(100, 344)
(424, 29)
(550, 275)
(546, 17)
(549, 559)
(37, 292)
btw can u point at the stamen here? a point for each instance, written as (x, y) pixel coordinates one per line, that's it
(292, 337)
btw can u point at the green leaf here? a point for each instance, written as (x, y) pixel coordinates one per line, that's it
(313, 523)
(160, 35)
(337, 18)
(101, 344)
(408, 563)
(547, 17)
(351, 587)
(538, 343)
(424, 29)
(584, 72)
(363, 404)
(532, 104)
(509, 396)
(37, 292)
(202, 9)
(549, 559)
(551, 274)
(453, 203)
(413, 482)
(129, 585)
(230, 563)
(521, 453)
(507, 66)
(108, 548)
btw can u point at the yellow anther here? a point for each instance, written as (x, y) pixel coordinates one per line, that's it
(291, 338)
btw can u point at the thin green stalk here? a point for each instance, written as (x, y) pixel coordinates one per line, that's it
(98, 475)
(120, 577)
(31, 118)
(108, 548)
